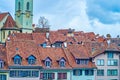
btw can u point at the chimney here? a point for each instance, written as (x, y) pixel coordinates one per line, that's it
(47, 35)
(65, 44)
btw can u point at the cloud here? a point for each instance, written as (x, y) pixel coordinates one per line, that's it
(99, 16)
(104, 10)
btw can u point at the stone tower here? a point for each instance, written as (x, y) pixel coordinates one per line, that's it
(24, 15)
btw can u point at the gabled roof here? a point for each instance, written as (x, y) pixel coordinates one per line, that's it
(24, 48)
(54, 54)
(73, 63)
(2, 15)
(10, 23)
(78, 51)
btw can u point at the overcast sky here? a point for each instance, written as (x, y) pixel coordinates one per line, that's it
(99, 16)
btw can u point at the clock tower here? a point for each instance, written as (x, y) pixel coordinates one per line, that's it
(24, 15)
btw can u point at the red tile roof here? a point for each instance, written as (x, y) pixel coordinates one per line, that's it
(10, 23)
(2, 16)
(3, 55)
(54, 54)
(25, 49)
(28, 44)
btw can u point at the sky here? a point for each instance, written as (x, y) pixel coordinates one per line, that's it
(99, 16)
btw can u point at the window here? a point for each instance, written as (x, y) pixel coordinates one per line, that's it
(57, 44)
(82, 61)
(26, 73)
(18, 5)
(3, 77)
(44, 45)
(110, 55)
(9, 32)
(3, 34)
(62, 62)
(77, 72)
(47, 76)
(31, 60)
(48, 62)
(1, 63)
(100, 72)
(28, 5)
(89, 72)
(112, 62)
(112, 72)
(17, 59)
(62, 76)
(100, 62)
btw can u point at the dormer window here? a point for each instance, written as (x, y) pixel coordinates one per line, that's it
(44, 45)
(31, 60)
(17, 60)
(48, 62)
(82, 61)
(57, 44)
(62, 62)
(1, 64)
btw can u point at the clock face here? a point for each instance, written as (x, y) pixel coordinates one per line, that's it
(18, 13)
(27, 14)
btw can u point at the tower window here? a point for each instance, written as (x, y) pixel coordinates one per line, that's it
(18, 5)
(28, 5)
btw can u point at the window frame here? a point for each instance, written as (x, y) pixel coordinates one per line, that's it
(112, 72)
(100, 72)
(48, 62)
(100, 62)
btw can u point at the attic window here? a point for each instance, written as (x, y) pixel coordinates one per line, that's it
(17, 60)
(62, 62)
(1, 64)
(48, 62)
(17, 49)
(44, 45)
(31, 60)
(82, 61)
(58, 44)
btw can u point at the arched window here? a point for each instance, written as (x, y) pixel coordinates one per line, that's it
(18, 5)
(17, 59)
(1, 64)
(31, 60)
(28, 5)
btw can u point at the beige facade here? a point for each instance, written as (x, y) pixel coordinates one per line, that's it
(104, 63)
